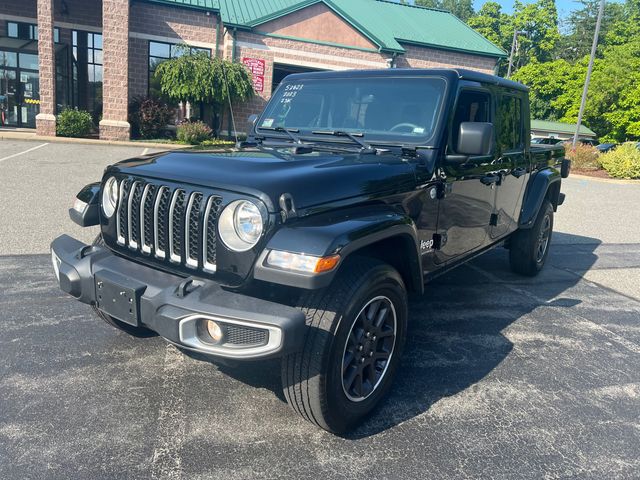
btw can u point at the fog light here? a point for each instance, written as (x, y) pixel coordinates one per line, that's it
(215, 331)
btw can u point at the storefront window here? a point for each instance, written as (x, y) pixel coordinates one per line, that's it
(28, 31)
(158, 53)
(87, 71)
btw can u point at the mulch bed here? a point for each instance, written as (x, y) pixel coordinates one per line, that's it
(592, 173)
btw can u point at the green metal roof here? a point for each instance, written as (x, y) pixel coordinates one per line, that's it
(387, 24)
(560, 127)
(211, 5)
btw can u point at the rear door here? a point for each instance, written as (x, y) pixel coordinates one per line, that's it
(512, 164)
(467, 202)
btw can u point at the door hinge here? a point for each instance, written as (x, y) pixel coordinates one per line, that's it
(494, 220)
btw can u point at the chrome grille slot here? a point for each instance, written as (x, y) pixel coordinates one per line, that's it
(176, 220)
(209, 234)
(160, 210)
(192, 229)
(121, 216)
(175, 225)
(146, 218)
(133, 213)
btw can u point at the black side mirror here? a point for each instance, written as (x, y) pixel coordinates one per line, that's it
(475, 139)
(253, 118)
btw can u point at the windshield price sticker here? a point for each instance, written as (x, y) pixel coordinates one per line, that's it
(290, 92)
(267, 122)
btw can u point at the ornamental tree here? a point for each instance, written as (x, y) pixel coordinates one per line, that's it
(198, 78)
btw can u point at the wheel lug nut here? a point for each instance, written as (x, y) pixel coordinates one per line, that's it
(371, 354)
(367, 334)
(362, 360)
(359, 348)
(374, 338)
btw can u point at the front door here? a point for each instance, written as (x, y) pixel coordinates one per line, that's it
(467, 198)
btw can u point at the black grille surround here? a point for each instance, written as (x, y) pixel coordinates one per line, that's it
(164, 224)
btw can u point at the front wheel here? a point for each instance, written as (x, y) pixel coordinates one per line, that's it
(355, 337)
(529, 248)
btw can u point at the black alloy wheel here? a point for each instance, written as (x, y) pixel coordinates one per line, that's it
(369, 349)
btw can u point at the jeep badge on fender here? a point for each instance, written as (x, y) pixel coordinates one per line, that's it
(352, 189)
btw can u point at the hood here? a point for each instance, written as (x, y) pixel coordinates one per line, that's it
(312, 179)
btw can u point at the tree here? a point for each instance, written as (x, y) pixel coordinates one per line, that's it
(196, 77)
(581, 24)
(539, 21)
(463, 9)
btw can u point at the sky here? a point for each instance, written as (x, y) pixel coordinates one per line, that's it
(564, 6)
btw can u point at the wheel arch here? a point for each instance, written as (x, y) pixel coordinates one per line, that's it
(376, 231)
(544, 185)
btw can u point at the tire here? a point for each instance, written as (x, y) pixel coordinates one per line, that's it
(529, 248)
(312, 379)
(140, 332)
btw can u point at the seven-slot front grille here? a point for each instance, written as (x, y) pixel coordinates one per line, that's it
(174, 225)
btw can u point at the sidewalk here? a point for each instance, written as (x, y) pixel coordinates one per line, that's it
(31, 135)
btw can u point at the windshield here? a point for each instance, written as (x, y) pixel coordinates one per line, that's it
(386, 109)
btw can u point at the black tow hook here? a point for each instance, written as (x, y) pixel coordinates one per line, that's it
(186, 287)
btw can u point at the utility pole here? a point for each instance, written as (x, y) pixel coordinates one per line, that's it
(594, 46)
(516, 32)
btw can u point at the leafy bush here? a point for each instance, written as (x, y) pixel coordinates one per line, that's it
(149, 117)
(74, 123)
(623, 162)
(583, 156)
(193, 133)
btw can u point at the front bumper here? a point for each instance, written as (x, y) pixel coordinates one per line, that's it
(176, 307)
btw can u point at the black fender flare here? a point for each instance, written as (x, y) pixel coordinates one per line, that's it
(539, 185)
(90, 216)
(344, 233)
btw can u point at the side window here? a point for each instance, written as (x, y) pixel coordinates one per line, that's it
(509, 134)
(472, 106)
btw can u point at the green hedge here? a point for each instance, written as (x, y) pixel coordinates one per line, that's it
(74, 123)
(622, 162)
(193, 133)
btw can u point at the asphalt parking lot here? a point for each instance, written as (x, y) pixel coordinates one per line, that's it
(503, 377)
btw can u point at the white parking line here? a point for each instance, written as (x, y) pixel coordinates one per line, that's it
(22, 153)
(145, 151)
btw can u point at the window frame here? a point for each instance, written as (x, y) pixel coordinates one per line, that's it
(492, 113)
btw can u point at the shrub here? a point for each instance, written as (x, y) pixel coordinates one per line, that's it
(193, 133)
(149, 117)
(623, 162)
(583, 156)
(74, 123)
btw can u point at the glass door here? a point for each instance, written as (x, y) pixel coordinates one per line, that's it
(29, 88)
(8, 89)
(19, 89)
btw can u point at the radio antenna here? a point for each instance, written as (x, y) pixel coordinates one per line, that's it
(233, 121)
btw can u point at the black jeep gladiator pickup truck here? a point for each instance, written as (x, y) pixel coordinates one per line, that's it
(352, 189)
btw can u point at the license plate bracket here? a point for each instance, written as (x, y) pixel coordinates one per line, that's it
(119, 296)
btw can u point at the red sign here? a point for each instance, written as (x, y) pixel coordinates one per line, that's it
(257, 67)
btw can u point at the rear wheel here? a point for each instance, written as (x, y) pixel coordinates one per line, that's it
(355, 336)
(529, 248)
(141, 332)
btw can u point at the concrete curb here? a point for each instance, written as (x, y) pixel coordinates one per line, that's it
(604, 180)
(29, 136)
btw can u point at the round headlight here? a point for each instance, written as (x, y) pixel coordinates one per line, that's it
(110, 196)
(240, 225)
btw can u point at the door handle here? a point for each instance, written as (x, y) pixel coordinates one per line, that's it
(518, 172)
(490, 179)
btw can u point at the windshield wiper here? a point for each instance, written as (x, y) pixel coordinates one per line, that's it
(289, 131)
(364, 147)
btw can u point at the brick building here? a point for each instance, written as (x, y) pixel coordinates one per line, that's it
(99, 54)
